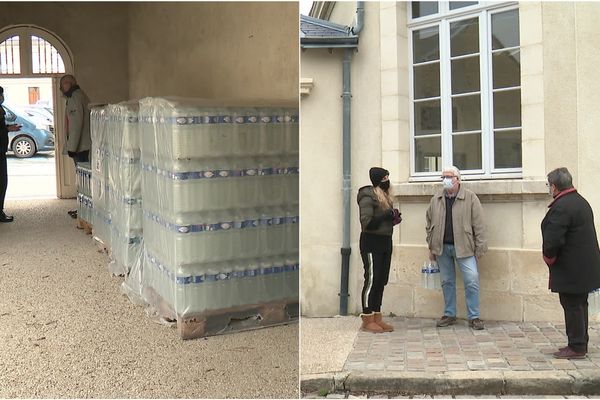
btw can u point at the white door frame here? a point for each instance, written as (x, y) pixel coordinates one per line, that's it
(65, 169)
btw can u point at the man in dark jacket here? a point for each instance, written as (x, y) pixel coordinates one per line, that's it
(570, 249)
(4, 129)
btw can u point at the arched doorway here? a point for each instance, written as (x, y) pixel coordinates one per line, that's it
(28, 52)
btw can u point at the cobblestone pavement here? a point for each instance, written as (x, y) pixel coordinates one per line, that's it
(418, 345)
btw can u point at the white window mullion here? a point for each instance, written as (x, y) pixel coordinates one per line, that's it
(411, 86)
(446, 68)
(487, 138)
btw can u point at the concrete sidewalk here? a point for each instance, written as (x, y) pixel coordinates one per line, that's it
(419, 358)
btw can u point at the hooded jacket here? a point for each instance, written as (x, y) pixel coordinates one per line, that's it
(373, 218)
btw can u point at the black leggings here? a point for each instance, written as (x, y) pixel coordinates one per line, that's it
(3, 179)
(377, 272)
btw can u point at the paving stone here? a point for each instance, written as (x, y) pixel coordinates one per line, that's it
(336, 396)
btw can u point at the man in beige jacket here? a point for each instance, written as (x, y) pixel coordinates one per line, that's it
(456, 233)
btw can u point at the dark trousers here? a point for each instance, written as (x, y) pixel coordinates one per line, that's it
(576, 319)
(377, 272)
(3, 179)
(79, 157)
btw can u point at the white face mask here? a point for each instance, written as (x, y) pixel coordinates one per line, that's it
(448, 183)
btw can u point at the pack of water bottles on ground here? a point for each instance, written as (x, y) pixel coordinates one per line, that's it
(216, 213)
(430, 276)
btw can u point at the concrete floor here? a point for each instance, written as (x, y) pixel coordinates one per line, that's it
(30, 178)
(67, 331)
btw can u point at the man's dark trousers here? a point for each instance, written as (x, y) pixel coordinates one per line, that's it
(576, 320)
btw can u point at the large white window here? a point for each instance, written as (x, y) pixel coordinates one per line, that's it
(465, 88)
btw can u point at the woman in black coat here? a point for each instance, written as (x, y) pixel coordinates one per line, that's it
(570, 249)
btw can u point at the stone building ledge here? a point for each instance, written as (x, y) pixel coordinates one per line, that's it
(500, 190)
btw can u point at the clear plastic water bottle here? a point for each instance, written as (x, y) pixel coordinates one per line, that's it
(424, 274)
(435, 276)
(593, 302)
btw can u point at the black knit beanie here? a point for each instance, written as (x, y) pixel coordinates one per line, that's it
(377, 174)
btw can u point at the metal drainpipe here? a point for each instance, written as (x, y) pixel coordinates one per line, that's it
(346, 185)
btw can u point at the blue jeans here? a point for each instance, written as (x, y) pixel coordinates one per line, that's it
(468, 269)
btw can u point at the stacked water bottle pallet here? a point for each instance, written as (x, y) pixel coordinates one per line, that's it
(83, 174)
(220, 214)
(116, 183)
(101, 219)
(124, 186)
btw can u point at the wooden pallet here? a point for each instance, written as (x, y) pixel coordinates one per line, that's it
(83, 224)
(226, 320)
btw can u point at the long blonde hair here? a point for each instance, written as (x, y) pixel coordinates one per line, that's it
(384, 198)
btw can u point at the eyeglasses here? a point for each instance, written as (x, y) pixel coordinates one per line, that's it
(444, 177)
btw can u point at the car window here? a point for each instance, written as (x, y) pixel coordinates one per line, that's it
(10, 116)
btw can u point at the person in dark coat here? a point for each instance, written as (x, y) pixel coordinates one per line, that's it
(570, 249)
(4, 129)
(377, 219)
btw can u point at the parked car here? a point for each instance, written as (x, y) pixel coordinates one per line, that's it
(36, 114)
(27, 141)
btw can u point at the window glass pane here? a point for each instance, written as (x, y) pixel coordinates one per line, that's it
(460, 4)
(10, 57)
(428, 154)
(465, 75)
(427, 80)
(45, 58)
(505, 29)
(507, 109)
(507, 149)
(466, 151)
(464, 37)
(423, 8)
(427, 117)
(507, 68)
(426, 45)
(466, 113)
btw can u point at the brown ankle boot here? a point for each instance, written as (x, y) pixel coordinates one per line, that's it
(383, 325)
(369, 325)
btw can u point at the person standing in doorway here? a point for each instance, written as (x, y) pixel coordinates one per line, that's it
(377, 219)
(4, 129)
(570, 249)
(77, 123)
(456, 233)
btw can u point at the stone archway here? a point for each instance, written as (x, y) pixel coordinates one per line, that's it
(29, 51)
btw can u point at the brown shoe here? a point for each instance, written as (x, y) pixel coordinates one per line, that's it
(378, 320)
(445, 321)
(566, 347)
(568, 354)
(476, 324)
(369, 325)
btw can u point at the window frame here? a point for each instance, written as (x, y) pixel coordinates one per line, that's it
(483, 12)
(25, 33)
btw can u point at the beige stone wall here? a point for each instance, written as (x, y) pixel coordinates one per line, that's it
(244, 50)
(321, 159)
(96, 34)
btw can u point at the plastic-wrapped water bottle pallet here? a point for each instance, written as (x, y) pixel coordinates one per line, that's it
(227, 320)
